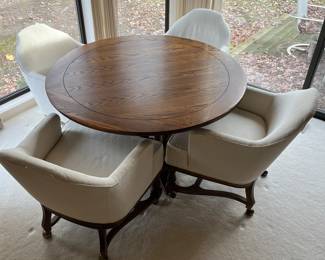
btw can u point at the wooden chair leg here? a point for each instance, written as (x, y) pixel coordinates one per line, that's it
(156, 190)
(103, 242)
(46, 223)
(105, 237)
(171, 179)
(250, 199)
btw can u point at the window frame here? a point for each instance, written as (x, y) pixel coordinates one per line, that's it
(317, 55)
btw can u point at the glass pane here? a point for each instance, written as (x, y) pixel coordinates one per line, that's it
(17, 14)
(141, 17)
(273, 46)
(319, 82)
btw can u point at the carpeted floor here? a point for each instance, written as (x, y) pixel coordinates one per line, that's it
(289, 220)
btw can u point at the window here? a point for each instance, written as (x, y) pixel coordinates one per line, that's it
(272, 44)
(141, 17)
(18, 14)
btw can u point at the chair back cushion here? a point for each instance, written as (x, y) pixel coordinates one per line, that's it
(39, 46)
(203, 25)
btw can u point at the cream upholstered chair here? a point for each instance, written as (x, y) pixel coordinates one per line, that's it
(38, 47)
(203, 25)
(92, 178)
(236, 149)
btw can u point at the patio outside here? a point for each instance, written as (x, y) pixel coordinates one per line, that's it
(261, 33)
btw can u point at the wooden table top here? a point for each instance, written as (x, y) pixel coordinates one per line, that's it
(145, 85)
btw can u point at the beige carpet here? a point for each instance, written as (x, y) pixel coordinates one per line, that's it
(289, 220)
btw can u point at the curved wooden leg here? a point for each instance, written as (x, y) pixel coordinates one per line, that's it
(198, 182)
(103, 242)
(250, 199)
(46, 222)
(156, 190)
(171, 179)
(264, 174)
(105, 237)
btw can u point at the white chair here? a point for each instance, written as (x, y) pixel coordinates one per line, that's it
(203, 25)
(238, 148)
(91, 178)
(38, 47)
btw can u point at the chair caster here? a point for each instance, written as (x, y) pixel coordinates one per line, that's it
(264, 174)
(103, 257)
(249, 212)
(156, 193)
(155, 200)
(172, 194)
(47, 234)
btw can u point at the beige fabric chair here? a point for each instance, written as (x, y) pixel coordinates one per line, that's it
(38, 47)
(88, 177)
(236, 149)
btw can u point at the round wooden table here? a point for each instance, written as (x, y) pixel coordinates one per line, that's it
(145, 85)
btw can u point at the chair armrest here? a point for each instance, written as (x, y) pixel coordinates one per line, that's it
(27, 166)
(233, 160)
(207, 133)
(42, 138)
(290, 113)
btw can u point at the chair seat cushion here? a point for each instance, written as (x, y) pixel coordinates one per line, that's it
(89, 151)
(239, 123)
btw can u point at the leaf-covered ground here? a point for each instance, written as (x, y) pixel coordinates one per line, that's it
(260, 38)
(246, 17)
(141, 17)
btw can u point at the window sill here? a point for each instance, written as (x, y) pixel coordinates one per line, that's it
(16, 106)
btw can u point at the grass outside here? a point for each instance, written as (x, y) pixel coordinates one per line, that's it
(141, 17)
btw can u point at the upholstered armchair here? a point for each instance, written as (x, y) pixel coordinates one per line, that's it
(203, 25)
(38, 47)
(91, 178)
(238, 148)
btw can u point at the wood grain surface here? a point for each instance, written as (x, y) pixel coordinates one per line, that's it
(145, 85)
